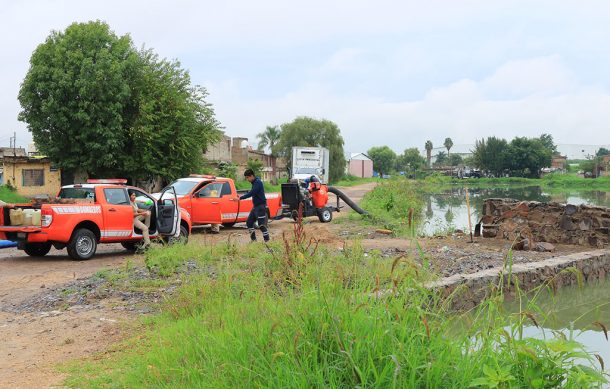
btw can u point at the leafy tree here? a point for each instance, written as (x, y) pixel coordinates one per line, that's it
(527, 156)
(174, 123)
(384, 159)
(256, 165)
(491, 155)
(269, 138)
(227, 169)
(77, 97)
(306, 131)
(410, 159)
(429, 148)
(602, 152)
(96, 104)
(455, 160)
(548, 143)
(448, 145)
(441, 159)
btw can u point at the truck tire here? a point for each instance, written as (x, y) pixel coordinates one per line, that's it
(325, 215)
(83, 245)
(130, 246)
(37, 249)
(182, 238)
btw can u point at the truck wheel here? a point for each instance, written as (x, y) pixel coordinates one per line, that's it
(325, 215)
(82, 245)
(37, 249)
(182, 238)
(130, 246)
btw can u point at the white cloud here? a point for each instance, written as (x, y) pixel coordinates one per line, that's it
(544, 99)
(387, 72)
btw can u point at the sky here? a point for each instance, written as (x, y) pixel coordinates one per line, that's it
(393, 73)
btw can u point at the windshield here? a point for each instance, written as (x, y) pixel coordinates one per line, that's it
(183, 187)
(307, 170)
(77, 193)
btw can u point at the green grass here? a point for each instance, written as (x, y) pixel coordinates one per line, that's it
(10, 196)
(304, 316)
(567, 181)
(352, 181)
(391, 202)
(269, 188)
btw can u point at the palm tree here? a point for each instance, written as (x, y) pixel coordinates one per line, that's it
(448, 145)
(429, 148)
(269, 138)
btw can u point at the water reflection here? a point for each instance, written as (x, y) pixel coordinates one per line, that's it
(446, 209)
(573, 310)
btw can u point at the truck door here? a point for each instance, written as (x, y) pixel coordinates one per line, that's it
(168, 214)
(229, 205)
(206, 204)
(117, 214)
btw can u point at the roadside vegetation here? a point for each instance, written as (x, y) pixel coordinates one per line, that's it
(9, 195)
(566, 181)
(394, 205)
(307, 316)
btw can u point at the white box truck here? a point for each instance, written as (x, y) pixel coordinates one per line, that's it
(310, 161)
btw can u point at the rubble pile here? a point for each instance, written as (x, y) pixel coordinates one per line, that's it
(534, 225)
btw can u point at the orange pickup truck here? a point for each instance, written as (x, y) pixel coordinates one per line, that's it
(214, 200)
(97, 212)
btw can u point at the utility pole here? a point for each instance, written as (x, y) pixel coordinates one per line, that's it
(14, 145)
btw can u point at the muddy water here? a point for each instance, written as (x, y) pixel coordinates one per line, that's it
(573, 310)
(446, 210)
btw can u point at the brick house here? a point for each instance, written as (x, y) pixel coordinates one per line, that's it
(559, 162)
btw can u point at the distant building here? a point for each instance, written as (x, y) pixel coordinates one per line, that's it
(559, 162)
(360, 165)
(31, 176)
(238, 151)
(219, 152)
(9, 151)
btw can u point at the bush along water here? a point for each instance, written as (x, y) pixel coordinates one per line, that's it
(300, 315)
(395, 205)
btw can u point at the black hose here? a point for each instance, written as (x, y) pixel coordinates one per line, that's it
(347, 200)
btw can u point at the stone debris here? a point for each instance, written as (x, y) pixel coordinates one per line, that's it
(87, 293)
(530, 222)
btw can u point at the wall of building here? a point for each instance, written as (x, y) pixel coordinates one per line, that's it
(219, 152)
(361, 168)
(52, 178)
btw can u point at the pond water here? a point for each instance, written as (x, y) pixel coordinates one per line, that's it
(446, 210)
(573, 310)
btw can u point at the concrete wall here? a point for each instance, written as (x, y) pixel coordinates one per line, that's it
(468, 290)
(14, 168)
(361, 168)
(546, 222)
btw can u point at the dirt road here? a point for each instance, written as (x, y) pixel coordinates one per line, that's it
(35, 340)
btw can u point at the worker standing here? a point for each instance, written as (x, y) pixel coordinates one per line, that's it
(259, 206)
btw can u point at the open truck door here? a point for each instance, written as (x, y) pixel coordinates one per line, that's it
(168, 214)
